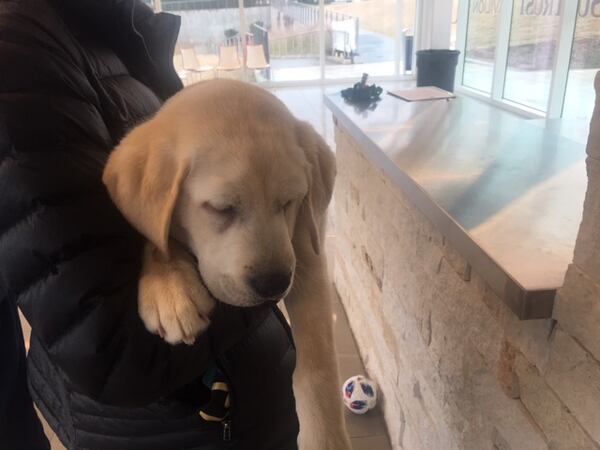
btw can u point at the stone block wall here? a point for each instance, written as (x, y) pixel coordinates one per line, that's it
(456, 368)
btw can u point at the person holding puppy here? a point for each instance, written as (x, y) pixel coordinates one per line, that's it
(20, 428)
(76, 76)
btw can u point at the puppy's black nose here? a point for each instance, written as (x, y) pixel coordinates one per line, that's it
(271, 285)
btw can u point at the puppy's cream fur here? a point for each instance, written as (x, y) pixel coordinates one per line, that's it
(225, 173)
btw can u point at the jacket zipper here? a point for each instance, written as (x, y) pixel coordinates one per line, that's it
(226, 430)
(222, 364)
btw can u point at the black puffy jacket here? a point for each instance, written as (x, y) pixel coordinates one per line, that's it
(75, 75)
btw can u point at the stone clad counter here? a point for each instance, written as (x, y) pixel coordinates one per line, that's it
(505, 192)
(457, 369)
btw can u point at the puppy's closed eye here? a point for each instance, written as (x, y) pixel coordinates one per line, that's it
(224, 213)
(224, 210)
(287, 205)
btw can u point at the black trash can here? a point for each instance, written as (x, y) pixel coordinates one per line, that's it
(437, 68)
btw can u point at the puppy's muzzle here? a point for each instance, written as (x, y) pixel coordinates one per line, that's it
(271, 285)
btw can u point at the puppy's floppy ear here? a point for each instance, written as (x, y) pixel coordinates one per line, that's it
(143, 176)
(321, 176)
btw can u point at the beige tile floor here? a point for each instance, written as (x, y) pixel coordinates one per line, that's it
(368, 431)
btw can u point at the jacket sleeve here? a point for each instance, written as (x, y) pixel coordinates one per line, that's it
(67, 257)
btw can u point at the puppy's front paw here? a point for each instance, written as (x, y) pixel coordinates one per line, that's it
(172, 301)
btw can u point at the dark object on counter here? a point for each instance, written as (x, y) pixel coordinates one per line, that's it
(362, 93)
(362, 108)
(437, 68)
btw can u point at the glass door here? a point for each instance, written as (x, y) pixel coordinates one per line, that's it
(531, 52)
(585, 62)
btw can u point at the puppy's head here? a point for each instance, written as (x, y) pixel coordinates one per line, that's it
(226, 170)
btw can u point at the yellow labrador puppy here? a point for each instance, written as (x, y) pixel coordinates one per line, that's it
(224, 172)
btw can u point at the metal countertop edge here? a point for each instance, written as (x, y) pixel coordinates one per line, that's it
(525, 304)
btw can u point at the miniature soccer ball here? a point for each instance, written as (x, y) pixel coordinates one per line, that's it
(359, 394)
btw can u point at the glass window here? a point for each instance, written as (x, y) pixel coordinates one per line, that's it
(209, 39)
(289, 34)
(585, 62)
(533, 38)
(360, 36)
(482, 31)
(280, 40)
